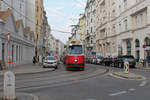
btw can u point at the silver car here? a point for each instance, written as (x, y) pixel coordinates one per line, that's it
(50, 61)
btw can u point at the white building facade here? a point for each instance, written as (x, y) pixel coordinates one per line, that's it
(125, 29)
(22, 9)
(21, 47)
(17, 6)
(90, 14)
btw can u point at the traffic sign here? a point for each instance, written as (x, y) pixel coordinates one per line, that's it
(126, 66)
(8, 36)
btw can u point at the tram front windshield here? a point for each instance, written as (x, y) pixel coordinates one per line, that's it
(75, 49)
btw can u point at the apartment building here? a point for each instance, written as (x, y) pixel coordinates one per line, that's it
(123, 27)
(90, 14)
(39, 20)
(82, 24)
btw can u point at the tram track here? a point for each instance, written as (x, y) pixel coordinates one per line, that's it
(60, 77)
(63, 82)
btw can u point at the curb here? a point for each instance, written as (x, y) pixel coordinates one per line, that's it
(142, 68)
(52, 69)
(126, 77)
(26, 96)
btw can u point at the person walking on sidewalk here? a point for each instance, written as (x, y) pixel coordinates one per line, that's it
(34, 59)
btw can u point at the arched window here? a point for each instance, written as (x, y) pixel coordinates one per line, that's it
(137, 43)
(128, 47)
(147, 41)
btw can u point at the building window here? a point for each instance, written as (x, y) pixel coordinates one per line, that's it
(16, 53)
(128, 47)
(3, 53)
(125, 4)
(120, 27)
(12, 52)
(126, 25)
(137, 43)
(114, 29)
(147, 41)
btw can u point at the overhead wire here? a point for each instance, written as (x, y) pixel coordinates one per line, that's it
(29, 18)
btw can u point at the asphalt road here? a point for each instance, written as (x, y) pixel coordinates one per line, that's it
(95, 83)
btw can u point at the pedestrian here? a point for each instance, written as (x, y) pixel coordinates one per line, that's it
(34, 59)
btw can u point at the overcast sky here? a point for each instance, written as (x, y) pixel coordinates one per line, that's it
(63, 13)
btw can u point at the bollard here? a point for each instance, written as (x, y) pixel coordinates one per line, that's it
(126, 67)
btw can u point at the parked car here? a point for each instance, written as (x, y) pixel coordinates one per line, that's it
(114, 59)
(93, 60)
(99, 60)
(119, 61)
(107, 61)
(50, 61)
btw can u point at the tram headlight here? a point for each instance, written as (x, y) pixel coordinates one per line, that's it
(75, 60)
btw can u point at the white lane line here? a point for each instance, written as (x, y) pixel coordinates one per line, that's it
(118, 93)
(143, 83)
(90, 99)
(132, 89)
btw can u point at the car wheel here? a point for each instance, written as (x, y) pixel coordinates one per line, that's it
(56, 67)
(133, 66)
(67, 69)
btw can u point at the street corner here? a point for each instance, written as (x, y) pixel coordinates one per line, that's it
(26, 96)
(130, 76)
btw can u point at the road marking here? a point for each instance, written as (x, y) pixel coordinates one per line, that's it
(132, 89)
(143, 83)
(118, 93)
(90, 99)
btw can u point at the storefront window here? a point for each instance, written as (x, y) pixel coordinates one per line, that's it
(147, 41)
(128, 48)
(137, 43)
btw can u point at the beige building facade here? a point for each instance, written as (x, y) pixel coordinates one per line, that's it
(123, 27)
(82, 24)
(39, 21)
(90, 14)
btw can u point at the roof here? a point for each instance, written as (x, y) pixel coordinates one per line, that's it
(26, 30)
(5, 14)
(18, 24)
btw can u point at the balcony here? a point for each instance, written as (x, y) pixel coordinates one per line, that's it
(90, 45)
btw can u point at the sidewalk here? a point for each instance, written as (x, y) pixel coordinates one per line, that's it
(140, 66)
(24, 96)
(28, 69)
(127, 75)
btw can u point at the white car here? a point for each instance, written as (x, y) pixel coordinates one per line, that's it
(50, 61)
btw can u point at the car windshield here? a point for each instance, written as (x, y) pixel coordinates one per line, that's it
(76, 49)
(50, 58)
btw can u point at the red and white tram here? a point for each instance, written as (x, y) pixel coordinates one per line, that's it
(75, 56)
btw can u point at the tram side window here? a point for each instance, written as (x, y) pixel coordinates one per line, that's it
(75, 50)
